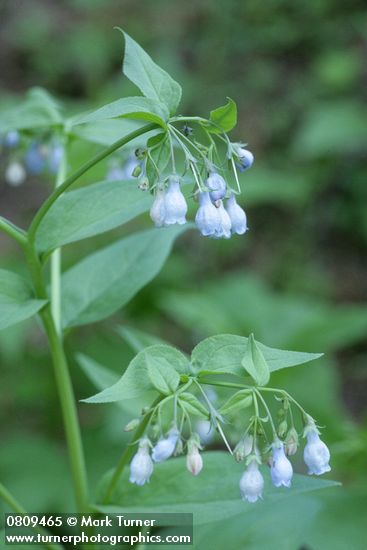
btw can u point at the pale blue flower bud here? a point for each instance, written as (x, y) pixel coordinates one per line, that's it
(245, 159)
(55, 157)
(35, 159)
(174, 203)
(207, 217)
(165, 446)
(15, 174)
(237, 216)
(252, 483)
(158, 210)
(115, 173)
(129, 167)
(141, 466)
(224, 229)
(217, 186)
(316, 454)
(11, 139)
(205, 431)
(281, 468)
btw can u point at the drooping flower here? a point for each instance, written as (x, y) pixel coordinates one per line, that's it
(224, 228)
(158, 210)
(165, 446)
(194, 460)
(35, 159)
(252, 483)
(245, 159)
(207, 217)
(217, 186)
(15, 174)
(205, 431)
(11, 139)
(174, 203)
(115, 173)
(281, 468)
(237, 216)
(141, 466)
(316, 454)
(55, 157)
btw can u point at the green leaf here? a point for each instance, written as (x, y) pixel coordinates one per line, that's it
(16, 299)
(162, 376)
(104, 281)
(152, 81)
(138, 339)
(254, 363)
(239, 400)
(138, 108)
(136, 381)
(192, 405)
(90, 211)
(106, 132)
(211, 496)
(224, 353)
(99, 375)
(225, 117)
(38, 110)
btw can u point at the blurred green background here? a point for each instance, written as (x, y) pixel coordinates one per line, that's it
(298, 279)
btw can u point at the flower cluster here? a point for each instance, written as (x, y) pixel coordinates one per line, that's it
(254, 447)
(32, 158)
(316, 456)
(218, 214)
(142, 464)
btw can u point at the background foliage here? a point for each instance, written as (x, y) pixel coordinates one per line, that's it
(297, 280)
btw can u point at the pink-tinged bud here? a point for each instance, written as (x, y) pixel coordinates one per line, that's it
(194, 462)
(291, 442)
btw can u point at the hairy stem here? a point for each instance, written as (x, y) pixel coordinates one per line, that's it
(82, 170)
(18, 508)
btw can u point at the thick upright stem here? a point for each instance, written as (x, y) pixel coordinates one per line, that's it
(64, 388)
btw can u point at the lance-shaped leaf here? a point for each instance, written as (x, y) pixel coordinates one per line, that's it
(152, 81)
(136, 380)
(137, 108)
(90, 211)
(211, 496)
(104, 281)
(254, 363)
(224, 353)
(223, 118)
(17, 302)
(240, 400)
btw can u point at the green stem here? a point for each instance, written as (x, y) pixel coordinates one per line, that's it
(18, 508)
(64, 387)
(128, 452)
(82, 170)
(55, 282)
(267, 410)
(13, 231)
